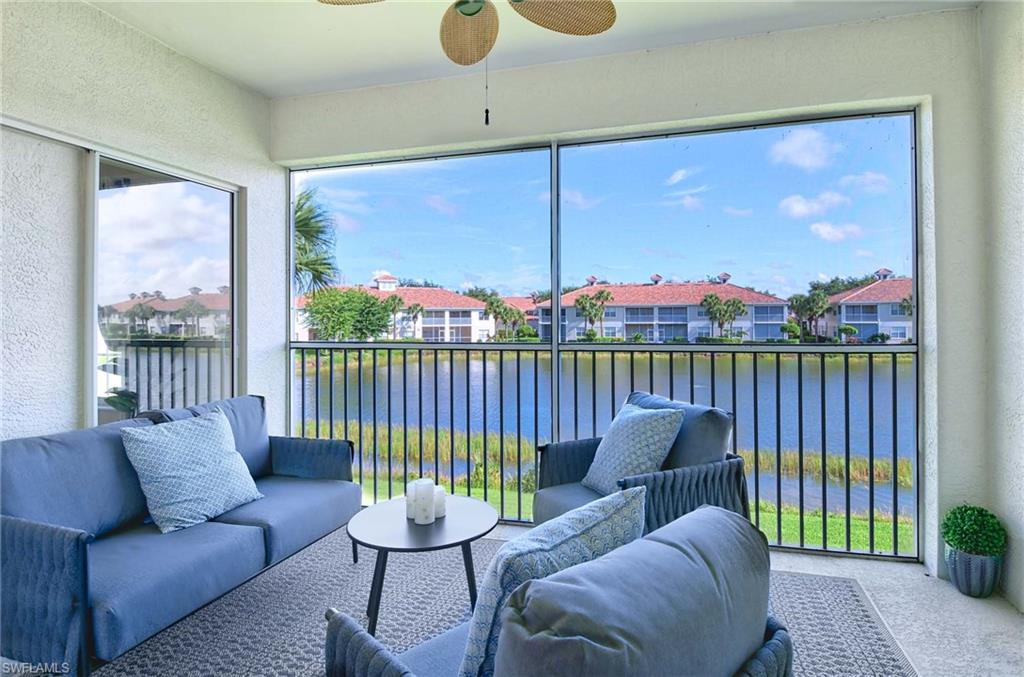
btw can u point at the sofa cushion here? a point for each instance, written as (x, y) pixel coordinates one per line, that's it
(703, 437)
(249, 424)
(690, 598)
(141, 581)
(636, 443)
(550, 502)
(439, 656)
(579, 535)
(80, 479)
(189, 470)
(295, 512)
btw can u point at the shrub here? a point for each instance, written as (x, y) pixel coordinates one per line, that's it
(974, 530)
(638, 338)
(526, 331)
(719, 339)
(880, 337)
(590, 335)
(679, 339)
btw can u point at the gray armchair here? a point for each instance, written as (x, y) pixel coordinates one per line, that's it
(693, 625)
(699, 470)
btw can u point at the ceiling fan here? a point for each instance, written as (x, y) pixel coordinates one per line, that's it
(469, 28)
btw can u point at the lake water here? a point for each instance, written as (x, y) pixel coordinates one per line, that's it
(514, 395)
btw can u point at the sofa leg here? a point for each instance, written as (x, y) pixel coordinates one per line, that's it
(355, 553)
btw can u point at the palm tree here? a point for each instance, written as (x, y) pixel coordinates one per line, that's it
(413, 312)
(907, 304)
(314, 244)
(732, 309)
(714, 308)
(589, 309)
(602, 297)
(394, 304)
(191, 310)
(513, 318)
(139, 312)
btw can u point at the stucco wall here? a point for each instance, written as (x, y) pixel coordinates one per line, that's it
(72, 68)
(43, 202)
(929, 60)
(1002, 62)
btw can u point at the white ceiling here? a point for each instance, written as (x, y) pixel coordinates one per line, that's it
(303, 47)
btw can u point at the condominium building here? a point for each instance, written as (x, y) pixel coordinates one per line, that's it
(194, 315)
(881, 307)
(668, 311)
(446, 316)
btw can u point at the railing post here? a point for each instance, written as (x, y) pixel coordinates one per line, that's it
(556, 298)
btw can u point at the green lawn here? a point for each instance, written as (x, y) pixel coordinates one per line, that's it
(493, 497)
(859, 530)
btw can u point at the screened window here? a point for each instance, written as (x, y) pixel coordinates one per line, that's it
(639, 314)
(672, 314)
(768, 314)
(861, 313)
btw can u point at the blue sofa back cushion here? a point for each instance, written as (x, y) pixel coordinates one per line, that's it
(80, 479)
(704, 436)
(690, 598)
(248, 420)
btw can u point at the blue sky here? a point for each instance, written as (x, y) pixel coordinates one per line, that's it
(775, 207)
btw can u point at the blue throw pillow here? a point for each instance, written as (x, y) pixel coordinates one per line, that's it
(578, 536)
(190, 470)
(637, 442)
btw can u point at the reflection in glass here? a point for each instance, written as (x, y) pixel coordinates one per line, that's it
(163, 291)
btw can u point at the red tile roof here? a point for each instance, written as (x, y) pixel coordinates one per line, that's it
(880, 291)
(669, 294)
(431, 298)
(523, 303)
(209, 301)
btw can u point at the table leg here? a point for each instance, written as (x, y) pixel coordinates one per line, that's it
(376, 589)
(355, 552)
(467, 559)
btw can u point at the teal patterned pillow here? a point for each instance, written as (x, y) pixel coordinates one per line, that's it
(637, 442)
(578, 536)
(190, 470)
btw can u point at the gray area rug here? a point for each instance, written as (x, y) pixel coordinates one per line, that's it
(274, 624)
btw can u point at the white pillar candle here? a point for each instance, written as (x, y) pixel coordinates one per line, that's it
(440, 499)
(410, 500)
(424, 502)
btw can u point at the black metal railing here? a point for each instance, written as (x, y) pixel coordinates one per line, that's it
(828, 433)
(168, 372)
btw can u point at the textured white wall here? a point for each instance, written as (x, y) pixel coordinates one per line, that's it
(1002, 50)
(72, 68)
(41, 316)
(931, 60)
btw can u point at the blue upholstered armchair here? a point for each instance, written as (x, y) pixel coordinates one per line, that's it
(699, 469)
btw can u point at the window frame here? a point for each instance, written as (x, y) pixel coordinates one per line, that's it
(90, 249)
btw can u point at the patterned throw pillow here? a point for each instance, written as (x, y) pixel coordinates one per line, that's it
(189, 470)
(578, 536)
(637, 442)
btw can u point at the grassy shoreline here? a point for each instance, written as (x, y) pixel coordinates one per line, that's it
(443, 445)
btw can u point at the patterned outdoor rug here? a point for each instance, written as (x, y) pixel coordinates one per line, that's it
(274, 624)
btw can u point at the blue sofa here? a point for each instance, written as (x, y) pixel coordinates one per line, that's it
(690, 598)
(84, 573)
(699, 469)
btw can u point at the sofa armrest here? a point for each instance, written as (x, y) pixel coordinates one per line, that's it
(351, 651)
(44, 584)
(775, 657)
(565, 462)
(312, 458)
(673, 493)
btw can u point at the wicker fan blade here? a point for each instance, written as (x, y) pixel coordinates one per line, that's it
(468, 39)
(572, 17)
(348, 2)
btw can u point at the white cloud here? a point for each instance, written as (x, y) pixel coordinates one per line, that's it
(799, 207)
(162, 215)
(441, 205)
(344, 199)
(805, 148)
(690, 202)
(735, 211)
(835, 233)
(680, 174)
(822, 277)
(346, 223)
(579, 200)
(869, 182)
(864, 254)
(696, 190)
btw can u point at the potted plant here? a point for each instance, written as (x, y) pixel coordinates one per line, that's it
(975, 543)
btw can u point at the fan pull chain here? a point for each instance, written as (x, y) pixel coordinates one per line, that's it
(487, 110)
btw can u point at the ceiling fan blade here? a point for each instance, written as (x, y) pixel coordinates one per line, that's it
(572, 17)
(468, 39)
(348, 2)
